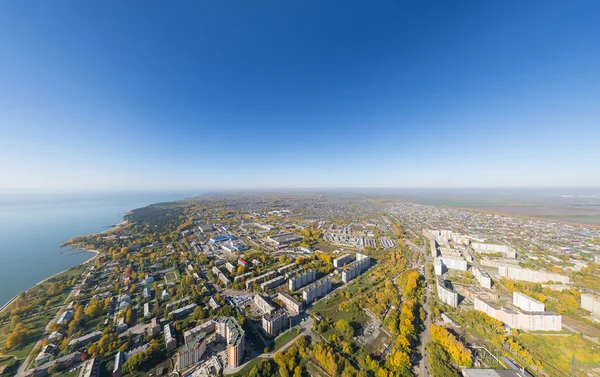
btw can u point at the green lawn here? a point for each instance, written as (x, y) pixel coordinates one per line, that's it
(284, 338)
(36, 325)
(74, 373)
(558, 351)
(246, 369)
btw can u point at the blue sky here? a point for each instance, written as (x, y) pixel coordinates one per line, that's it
(112, 95)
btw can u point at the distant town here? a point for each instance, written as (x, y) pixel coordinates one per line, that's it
(315, 285)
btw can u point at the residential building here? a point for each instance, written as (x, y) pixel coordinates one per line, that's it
(275, 282)
(85, 339)
(289, 302)
(591, 303)
(341, 261)
(264, 304)
(454, 263)
(274, 322)
(191, 352)
(486, 248)
(482, 277)
(445, 293)
(316, 290)
(535, 276)
(530, 321)
(182, 312)
(526, 303)
(259, 279)
(354, 269)
(170, 340)
(301, 279)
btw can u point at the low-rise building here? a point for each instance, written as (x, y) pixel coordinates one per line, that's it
(170, 340)
(183, 312)
(289, 302)
(85, 339)
(273, 283)
(264, 304)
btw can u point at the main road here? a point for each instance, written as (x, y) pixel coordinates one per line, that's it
(421, 371)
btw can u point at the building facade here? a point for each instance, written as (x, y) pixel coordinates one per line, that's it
(316, 290)
(526, 303)
(530, 321)
(289, 302)
(534, 276)
(445, 293)
(274, 322)
(591, 303)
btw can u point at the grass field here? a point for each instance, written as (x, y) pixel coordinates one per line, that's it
(324, 247)
(170, 277)
(246, 369)
(558, 351)
(36, 325)
(284, 338)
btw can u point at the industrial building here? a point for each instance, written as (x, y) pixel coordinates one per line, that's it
(316, 290)
(534, 276)
(284, 239)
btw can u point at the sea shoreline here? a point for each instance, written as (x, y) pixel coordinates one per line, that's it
(9, 302)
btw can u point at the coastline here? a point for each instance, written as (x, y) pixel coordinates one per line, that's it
(9, 302)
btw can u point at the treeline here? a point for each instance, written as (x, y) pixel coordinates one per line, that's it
(459, 354)
(439, 361)
(407, 324)
(291, 363)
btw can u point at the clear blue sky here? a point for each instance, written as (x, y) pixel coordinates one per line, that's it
(241, 94)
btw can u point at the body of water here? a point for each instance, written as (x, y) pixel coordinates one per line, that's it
(33, 226)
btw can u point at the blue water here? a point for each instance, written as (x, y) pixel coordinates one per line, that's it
(33, 226)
